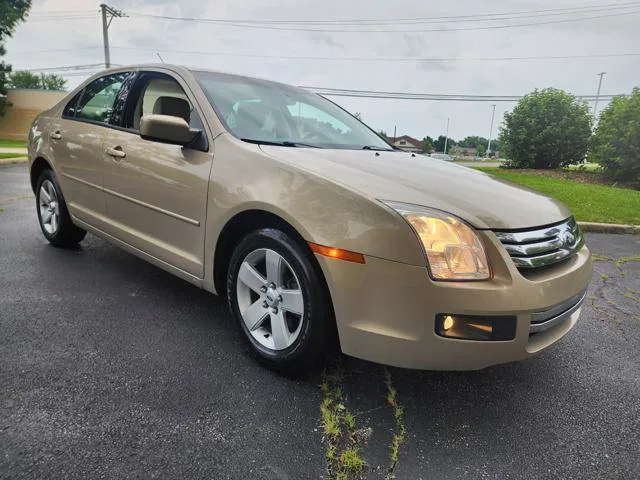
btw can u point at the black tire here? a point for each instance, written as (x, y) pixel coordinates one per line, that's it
(316, 339)
(66, 234)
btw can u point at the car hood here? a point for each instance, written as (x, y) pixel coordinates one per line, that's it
(482, 200)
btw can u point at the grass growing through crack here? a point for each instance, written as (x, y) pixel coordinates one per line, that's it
(623, 260)
(626, 292)
(400, 430)
(339, 432)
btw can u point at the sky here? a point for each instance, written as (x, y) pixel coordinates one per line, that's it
(388, 56)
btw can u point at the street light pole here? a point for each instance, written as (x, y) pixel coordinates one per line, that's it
(446, 136)
(493, 113)
(595, 106)
(106, 10)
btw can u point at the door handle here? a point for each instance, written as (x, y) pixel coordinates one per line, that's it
(56, 135)
(117, 152)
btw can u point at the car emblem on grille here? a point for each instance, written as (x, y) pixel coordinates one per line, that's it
(568, 239)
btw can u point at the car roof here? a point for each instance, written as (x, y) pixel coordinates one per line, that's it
(183, 69)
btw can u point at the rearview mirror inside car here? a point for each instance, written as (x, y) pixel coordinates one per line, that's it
(167, 129)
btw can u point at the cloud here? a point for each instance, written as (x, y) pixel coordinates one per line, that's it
(136, 39)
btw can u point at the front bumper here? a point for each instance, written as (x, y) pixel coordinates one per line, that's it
(385, 311)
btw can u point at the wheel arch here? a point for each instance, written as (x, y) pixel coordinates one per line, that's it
(246, 221)
(240, 225)
(37, 167)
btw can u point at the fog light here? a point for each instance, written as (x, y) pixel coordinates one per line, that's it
(448, 322)
(472, 327)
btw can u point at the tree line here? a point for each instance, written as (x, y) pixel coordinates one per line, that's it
(431, 145)
(551, 128)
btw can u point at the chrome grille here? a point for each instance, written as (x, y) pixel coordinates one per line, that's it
(543, 246)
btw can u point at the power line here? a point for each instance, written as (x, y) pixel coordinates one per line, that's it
(441, 30)
(359, 59)
(436, 19)
(64, 68)
(56, 50)
(59, 19)
(385, 59)
(59, 12)
(431, 96)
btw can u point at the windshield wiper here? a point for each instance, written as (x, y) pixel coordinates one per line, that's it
(284, 143)
(371, 147)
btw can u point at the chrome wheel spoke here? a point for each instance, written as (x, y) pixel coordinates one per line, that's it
(44, 194)
(279, 331)
(46, 215)
(52, 191)
(250, 277)
(255, 315)
(292, 301)
(54, 222)
(274, 267)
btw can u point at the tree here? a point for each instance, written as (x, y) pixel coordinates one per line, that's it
(476, 142)
(53, 82)
(616, 142)
(547, 129)
(438, 145)
(427, 145)
(11, 13)
(23, 79)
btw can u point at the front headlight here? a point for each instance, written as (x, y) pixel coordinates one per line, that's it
(454, 251)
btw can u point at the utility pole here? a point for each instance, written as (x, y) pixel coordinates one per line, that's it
(111, 13)
(595, 107)
(394, 134)
(493, 113)
(446, 136)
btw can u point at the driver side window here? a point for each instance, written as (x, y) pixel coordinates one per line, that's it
(161, 94)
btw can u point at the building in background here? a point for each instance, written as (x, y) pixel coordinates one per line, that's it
(405, 142)
(26, 105)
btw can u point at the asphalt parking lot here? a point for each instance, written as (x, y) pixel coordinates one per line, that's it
(112, 368)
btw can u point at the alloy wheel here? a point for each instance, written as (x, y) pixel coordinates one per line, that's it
(48, 207)
(270, 299)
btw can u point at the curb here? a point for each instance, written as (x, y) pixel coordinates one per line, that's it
(609, 228)
(17, 159)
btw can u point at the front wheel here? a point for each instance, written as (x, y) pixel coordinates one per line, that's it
(53, 215)
(279, 301)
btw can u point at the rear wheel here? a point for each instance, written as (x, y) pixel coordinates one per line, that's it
(279, 301)
(53, 215)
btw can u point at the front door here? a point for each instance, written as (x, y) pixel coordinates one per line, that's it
(156, 193)
(77, 142)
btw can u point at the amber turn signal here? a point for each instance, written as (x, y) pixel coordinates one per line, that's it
(336, 253)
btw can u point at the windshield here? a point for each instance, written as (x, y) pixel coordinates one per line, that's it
(266, 112)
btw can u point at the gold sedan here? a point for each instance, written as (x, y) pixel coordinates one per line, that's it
(315, 229)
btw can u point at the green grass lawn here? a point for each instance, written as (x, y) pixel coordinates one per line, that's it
(10, 155)
(588, 202)
(13, 144)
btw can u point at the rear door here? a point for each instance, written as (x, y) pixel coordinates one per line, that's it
(77, 141)
(156, 193)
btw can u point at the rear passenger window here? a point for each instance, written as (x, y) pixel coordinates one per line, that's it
(99, 97)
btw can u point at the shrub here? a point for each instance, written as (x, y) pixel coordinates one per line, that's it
(616, 142)
(547, 129)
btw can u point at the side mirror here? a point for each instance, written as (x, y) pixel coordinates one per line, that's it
(167, 129)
